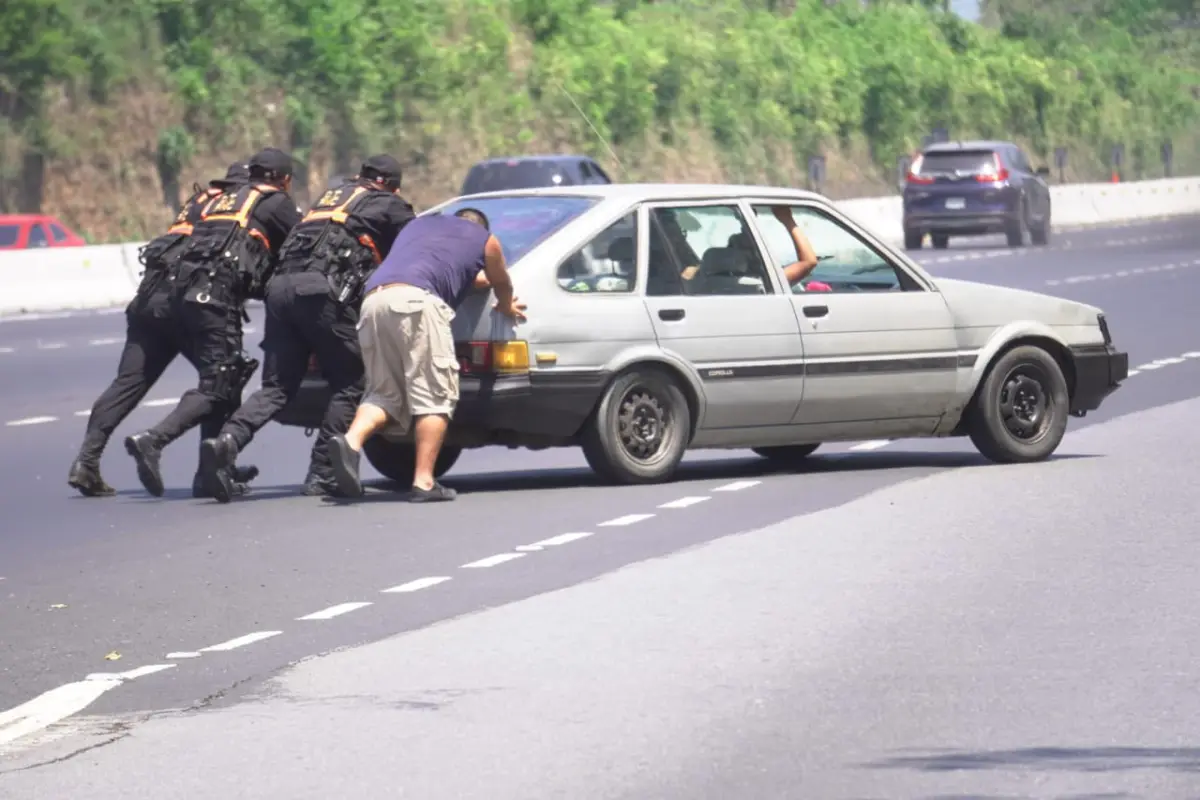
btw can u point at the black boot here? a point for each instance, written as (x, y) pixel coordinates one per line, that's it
(85, 477)
(216, 476)
(146, 450)
(317, 484)
(238, 486)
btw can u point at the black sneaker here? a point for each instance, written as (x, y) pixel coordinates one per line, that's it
(434, 494)
(344, 460)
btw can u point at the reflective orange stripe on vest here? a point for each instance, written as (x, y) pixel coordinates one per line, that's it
(338, 214)
(242, 215)
(183, 227)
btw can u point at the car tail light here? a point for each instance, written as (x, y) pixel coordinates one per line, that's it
(995, 174)
(313, 366)
(503, 358)
(913, 173)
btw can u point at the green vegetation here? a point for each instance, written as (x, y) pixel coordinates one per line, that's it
(691, 88)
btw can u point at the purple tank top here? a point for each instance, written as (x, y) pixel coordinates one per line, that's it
(440, 254)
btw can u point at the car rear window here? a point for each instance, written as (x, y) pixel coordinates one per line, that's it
(961, 162)
(522, 174)
(9, 234)
(521, 223)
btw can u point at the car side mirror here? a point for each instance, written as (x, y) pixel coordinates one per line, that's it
(1043, 171)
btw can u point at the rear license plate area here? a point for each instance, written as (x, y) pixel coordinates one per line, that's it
(956, 203)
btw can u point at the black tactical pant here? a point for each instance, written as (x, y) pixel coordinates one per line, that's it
(303, 319)
(209, 335)
(151, 344)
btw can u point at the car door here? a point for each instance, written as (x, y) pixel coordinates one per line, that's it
(1036, 188)
(880, 347)
(720, 309)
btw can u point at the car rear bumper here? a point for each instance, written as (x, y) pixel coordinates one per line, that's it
(992, 222)
(545, 403)
(1099, 370)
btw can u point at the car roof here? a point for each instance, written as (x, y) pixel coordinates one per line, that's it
(636, 192)
(556, 157)
(970, 144)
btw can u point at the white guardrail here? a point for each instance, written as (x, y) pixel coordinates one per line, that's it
(71, 278)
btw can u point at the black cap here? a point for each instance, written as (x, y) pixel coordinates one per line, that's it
(237, 173)
(382, 166)
(272, 161)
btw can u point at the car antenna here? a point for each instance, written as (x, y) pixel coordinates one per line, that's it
(603, 141)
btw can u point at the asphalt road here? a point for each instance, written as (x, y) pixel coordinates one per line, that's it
(984, 633)
(143, 578)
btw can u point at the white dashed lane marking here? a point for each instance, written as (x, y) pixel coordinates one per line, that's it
(628, 519)
(100, 342)
(492, 561)
(1124, 273)
(16, 423)
(874, 445)
(553, 541)
(332, 611)
(684, 502)
(241, 641)
(416, 586)
(737, 486)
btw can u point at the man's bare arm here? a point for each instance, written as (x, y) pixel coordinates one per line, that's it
(806, 256)
(495, 272)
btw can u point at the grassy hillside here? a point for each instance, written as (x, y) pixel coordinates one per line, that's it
(105, 109)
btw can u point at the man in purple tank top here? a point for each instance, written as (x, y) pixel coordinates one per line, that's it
(407, 343)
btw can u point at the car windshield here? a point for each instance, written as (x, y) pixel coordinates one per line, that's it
(961, 162)
(521, 223)
(498, 176)
(8, 235)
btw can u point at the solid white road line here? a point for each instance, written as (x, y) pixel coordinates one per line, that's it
(417, 585)
(241, 641)
(333, 611)
(492, 561)
(684, 502)
(165, 401)
(553, 541)
(736, 486)
(58, 704)
(628, 519)
(30, 421)
(872, 445)
(1193, 354)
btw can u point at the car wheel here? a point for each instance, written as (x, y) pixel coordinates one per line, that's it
(940, 241)
(1020, 412)
(1016, 230)
(913, 239)
(787, 454)
(640, 429)
(397, 461)
(1040, 233)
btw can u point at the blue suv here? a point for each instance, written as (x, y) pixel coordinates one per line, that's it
(975, 189)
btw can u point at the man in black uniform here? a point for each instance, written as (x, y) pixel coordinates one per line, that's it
(233, 248)
(312, 308)
(149, 345)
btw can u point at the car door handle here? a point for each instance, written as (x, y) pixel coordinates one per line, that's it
(671, 314)
(816, 311)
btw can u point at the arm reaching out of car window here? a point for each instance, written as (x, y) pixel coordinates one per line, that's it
(806, 256)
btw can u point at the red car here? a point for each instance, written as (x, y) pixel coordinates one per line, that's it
(24, 231)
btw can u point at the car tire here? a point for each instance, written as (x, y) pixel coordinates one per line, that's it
(397, 461)
(1016, 231)
(640, 429)
(940, 241)
(787, 454)
(1020, 412)
(913, 239)
(1040, 233)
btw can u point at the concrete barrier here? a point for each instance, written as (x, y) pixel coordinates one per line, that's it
(69, 278)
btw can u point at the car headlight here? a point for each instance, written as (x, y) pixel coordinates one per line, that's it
(1103, 323)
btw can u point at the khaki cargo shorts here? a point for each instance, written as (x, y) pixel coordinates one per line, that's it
(408, 352)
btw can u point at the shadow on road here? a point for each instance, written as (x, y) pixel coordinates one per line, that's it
(1098, 759)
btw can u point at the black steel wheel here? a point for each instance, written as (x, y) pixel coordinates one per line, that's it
(1021, 409)
(640, 429)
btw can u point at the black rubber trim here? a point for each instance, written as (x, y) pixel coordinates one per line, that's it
(825, 369)
(1099, 370)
